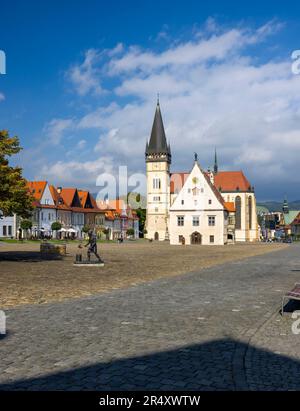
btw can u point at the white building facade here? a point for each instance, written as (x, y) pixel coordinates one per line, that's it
(198, 214)
(8, 226)
(173, 210)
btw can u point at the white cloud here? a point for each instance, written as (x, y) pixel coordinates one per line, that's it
(214, 92)
(54, 130)
(2, 97)
(85, 77)
(81, 144)
(81, 174)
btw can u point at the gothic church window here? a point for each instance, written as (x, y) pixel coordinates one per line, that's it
(238, 213)
(250, 212)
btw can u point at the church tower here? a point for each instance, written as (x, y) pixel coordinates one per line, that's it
(158, 161)
(285, 206)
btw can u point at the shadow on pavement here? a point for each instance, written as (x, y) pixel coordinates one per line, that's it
(210, 366)
(27, 256)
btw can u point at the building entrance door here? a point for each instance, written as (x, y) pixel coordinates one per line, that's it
(196, 238)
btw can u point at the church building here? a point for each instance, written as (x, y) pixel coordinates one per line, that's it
(199, 206)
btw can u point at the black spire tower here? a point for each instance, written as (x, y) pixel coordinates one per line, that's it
(158, 149)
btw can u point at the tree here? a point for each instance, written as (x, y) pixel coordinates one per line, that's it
(85, 229)
(130, 232)
(56, 226)
(14, 195)
(26, 225)
(141, 213)
(106, 232)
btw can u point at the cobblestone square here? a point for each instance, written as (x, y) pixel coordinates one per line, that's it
(217, 327)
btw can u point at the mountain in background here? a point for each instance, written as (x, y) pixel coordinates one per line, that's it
(270, 205)
(277, 205)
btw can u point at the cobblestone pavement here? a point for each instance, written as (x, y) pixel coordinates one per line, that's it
(25, 278)
(217, 329)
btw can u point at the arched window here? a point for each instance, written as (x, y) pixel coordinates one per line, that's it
(250, 212)
(238, 213)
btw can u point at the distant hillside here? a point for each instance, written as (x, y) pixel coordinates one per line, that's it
(277, 206)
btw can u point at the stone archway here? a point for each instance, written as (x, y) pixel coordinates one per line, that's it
(156, 236)
(196, 238)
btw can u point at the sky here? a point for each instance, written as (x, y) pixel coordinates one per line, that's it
(82, 79)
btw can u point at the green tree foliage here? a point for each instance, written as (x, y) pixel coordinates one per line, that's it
(106, 233)
(141, 213)
(85, 229)
(56, 226)
(26, 224)
(14, 196)
(130, 232)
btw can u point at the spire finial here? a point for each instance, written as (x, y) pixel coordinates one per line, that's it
(216, 162)
(158, 99)
(196, 157)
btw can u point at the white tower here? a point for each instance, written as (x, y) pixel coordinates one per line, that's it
(158, 160)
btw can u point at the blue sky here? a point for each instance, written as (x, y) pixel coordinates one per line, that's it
(82, 79)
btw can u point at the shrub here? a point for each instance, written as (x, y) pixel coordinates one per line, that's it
(56, 226)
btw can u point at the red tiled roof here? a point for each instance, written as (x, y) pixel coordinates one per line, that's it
(231, 181)
(36, 188)
(54, 194)
(214, 189)
(229, 206)
(83, 196)
(67, 194)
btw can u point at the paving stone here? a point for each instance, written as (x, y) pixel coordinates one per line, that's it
(149, 336)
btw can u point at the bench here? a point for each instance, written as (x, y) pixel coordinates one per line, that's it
(294, 294)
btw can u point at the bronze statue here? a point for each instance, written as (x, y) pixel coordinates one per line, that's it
(92, 244)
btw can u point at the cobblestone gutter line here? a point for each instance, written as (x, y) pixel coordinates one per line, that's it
(242, 355)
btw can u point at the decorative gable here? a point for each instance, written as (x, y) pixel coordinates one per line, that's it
(197, 193)
(47, 198)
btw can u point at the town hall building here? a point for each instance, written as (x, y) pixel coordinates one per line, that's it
(199, 206)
